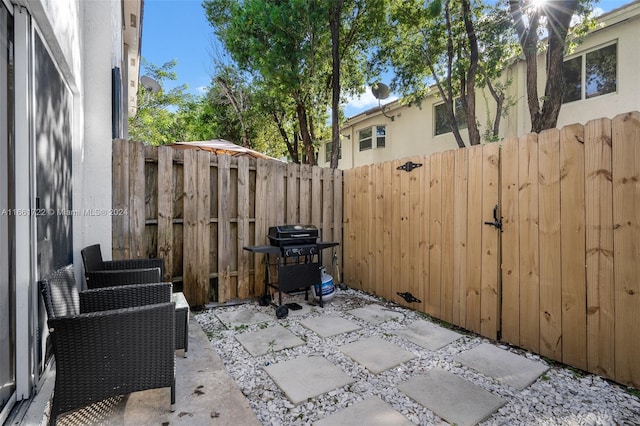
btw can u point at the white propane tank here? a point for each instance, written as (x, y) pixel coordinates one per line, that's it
(327, 288)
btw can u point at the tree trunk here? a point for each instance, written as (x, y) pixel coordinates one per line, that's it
(307, 143)
(558, 15)
(334, 22)
(291, 147)
(470, 89)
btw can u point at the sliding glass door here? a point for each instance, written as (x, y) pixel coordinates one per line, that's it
(7, 288)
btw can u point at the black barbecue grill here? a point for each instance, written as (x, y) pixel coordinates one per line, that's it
(298, 260)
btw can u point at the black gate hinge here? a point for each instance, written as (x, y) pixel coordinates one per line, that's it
(409, 166)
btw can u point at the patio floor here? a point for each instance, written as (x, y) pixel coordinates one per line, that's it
(205, 394)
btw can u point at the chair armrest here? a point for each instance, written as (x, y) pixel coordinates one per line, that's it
(124, 296)
(104, 354)
(99, 279)
(111, 265)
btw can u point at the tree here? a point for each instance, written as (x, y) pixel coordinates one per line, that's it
(154, 123)
(354, 25)
(528, 16)
(436, 45)
(285, 44)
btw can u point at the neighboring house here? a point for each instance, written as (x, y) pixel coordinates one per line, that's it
(602, 81)
(69, 76)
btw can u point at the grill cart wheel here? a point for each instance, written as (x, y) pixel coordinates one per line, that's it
(282, 311)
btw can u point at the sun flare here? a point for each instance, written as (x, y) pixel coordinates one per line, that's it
(537, 4)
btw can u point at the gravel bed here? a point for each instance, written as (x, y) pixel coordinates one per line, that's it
(561, 396)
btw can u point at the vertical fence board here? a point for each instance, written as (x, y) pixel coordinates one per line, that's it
(203, 192)
(261, 224)
(396, 237)
(490, 282)
(378, 220)
(549, 240)
(338, 234)
(348, 266)
(460, 236)
(293, 173)
(474, 241)
(572, 246)
(316, 196)
(225, 290)
(358, 217)
(165, 209)
(626, 219)
(305, 194)
(510, 243)
(599, 248)
(243, 227)
(370, 228)
(448, 247)
(327, 213)
(529, 256)
(136, 200)
(190, 228)
(435, 236)
(120, 182)
(420, 220)
(387, 228)
(405, 236)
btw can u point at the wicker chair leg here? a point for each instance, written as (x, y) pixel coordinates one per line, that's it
(173, 396)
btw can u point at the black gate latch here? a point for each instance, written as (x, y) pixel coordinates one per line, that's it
(496, 222)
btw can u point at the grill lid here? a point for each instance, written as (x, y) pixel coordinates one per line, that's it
(284, 235)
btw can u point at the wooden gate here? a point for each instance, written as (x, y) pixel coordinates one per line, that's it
(423, 232)
(561, 279)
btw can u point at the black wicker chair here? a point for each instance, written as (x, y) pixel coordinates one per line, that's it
(93, 263)
(110, 278)
(109, 341)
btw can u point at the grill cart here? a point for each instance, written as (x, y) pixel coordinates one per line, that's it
(298, 258)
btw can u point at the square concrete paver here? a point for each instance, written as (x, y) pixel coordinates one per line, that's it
(243, 317)
(376, 354)
(327, 326)
(307, 377)
(428, 335)
(512, 369)
(371, 412)
(451, 397)
(273, 339)
(375, 314)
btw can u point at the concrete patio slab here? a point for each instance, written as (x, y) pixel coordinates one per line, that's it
(243, 317)
(512, 369)
(376, 354)
(331, 325)
(205, 394)
(376, 314)
(271, 339)
(451, 397)
(371, 412)
(428, 335)
(307, 377)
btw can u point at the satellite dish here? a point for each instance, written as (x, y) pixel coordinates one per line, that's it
(150, 84)
(380, 91)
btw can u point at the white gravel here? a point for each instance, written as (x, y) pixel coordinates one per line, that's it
(561, 396)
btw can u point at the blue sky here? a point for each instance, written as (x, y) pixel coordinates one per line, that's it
(178, 29)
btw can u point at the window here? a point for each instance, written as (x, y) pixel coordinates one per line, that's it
(442, 125)
(365, 137)
(590, 75)
(327, 151)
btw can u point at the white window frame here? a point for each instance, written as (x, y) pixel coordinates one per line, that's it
(583, 71)
(374, 136)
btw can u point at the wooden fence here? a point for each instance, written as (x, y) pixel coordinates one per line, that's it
(562, 279)
(197, 211)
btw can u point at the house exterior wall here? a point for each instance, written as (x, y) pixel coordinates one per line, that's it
(412, 130)
(83, 41)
